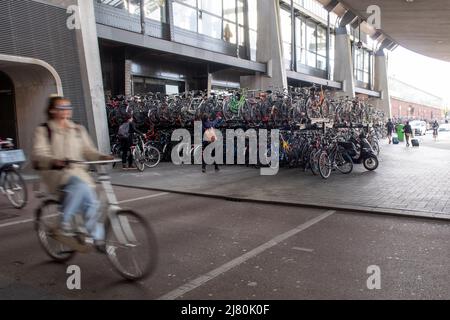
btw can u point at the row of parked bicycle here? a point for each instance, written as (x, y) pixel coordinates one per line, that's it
(270, 109)
(315, 149)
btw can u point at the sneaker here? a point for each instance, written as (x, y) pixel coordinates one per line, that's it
(124, 167)
(217, 169)
(203, 170)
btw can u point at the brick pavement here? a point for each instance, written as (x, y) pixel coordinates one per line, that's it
(416, 180)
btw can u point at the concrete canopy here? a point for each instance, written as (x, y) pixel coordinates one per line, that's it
(422, 26)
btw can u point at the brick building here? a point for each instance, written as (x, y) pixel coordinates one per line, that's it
(409, 102)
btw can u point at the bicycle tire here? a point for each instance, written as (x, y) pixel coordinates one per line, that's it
(13, 188)
(324, 165)
(63, 254)
(127, 218)
(347, 160)
(152, 157)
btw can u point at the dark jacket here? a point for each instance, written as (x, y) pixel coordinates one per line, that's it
(407, 129)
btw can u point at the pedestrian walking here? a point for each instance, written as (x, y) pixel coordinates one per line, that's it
(209, 126)
(126, 135)
(408, 133)
(390, 130)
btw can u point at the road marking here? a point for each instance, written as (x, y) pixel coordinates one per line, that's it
(194, 284)
(15, 223)
(302, 249)
(9, 224)
(144, 198)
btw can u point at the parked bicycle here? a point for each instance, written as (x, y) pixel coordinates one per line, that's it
(12, 184)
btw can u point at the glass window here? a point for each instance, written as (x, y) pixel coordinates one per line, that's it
(154, 9)
(311, 37)
(211, 6)
(210, 25)
(321, 41)
(184, 17)
(253, 14)
(229, 10)
(286, 33)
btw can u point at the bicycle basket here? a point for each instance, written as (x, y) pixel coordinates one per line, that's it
(12, 157)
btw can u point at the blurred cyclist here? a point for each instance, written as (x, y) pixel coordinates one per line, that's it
(60, 140)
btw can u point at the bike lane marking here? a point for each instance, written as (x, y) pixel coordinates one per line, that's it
(9, 224)
(198, 282)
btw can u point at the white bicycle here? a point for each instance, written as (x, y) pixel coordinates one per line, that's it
(131, 245)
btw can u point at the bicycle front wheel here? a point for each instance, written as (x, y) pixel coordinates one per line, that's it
(139, 160)
(131, 245)
(15, 188)
(47, 221)
(152, 157)
(324, 165)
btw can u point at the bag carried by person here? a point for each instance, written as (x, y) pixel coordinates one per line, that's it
(124, 130)
(210, 135)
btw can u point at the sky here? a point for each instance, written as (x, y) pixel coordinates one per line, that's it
(426, 73)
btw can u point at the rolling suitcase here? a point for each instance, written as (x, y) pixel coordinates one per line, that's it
(415, 143)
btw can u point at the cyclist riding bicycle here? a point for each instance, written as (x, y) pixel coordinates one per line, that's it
(56, 142)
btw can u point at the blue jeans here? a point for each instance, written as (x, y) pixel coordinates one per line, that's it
(80, 198)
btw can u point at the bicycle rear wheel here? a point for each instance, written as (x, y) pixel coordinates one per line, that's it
(15, 188)
(131, 245)
(46, 224)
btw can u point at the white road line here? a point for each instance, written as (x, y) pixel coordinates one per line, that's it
(144, 198)
(194, 284)
(14, 223)
(302, 249)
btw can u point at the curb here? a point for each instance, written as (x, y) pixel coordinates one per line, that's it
(325, 206)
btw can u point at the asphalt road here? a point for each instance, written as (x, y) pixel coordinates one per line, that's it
(214, 249)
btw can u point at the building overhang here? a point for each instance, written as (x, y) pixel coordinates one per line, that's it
(144, 41)
(417, 25)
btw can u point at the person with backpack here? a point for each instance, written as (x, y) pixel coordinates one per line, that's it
(408, 133)
(57, 142)
(126, 135)
(390, 130)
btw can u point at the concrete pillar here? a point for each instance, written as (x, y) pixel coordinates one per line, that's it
(343, 65)
(128, 85)
(381, 83)
(269, 49)
(90, 67)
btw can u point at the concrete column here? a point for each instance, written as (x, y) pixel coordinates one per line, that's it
(381, 83)
(343, 65)
(269, 49)
(128, 87)
(90, 67)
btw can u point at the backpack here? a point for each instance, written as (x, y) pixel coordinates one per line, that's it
(124, 130)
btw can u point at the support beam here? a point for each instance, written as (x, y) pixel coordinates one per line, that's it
(382, 83)
(270, 50)
(91, 70)
(343, 67)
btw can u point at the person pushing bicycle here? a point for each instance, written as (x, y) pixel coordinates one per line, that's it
(55, 143)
